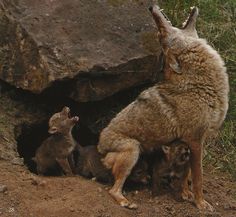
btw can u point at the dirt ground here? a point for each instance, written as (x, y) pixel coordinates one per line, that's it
(26, 194)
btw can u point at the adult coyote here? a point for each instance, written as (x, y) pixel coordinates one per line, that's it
(188, 105)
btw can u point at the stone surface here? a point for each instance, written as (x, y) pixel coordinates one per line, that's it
(18, 161)
(98, 47)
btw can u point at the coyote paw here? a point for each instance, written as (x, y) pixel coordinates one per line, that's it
(204, 205)
(122, 200)
(127, 204)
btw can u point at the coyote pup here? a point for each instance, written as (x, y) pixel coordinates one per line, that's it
(172, 163)
(188, 106)
(89, 164)
(57, 148)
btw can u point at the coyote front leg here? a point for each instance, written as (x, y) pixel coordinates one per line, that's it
(123, 161)
(186, 194)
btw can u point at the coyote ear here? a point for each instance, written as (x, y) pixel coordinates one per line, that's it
(174, 64)
(165, 149)
(52, 130)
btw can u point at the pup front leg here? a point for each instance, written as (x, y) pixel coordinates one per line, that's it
(124, 160)
(196, 169)
(72, 163)
(156, 181)
(64, 164)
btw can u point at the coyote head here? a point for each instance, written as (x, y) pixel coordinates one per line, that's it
(172, 39)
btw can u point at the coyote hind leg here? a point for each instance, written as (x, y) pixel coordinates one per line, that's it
(124, 160)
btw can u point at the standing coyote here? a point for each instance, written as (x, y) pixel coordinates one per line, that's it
(190, 104)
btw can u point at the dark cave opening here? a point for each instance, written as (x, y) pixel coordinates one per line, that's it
(29, 139)
(94, 116)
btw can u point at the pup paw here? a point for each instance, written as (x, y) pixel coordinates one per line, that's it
(187, 195)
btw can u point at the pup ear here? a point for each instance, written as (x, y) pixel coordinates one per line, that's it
(52, 130)
(174, 64)
(165, 149)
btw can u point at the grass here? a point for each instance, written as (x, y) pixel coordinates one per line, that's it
(221, 153)
(227, 143)
(216, 23)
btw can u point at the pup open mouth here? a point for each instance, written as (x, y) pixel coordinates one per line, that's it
(75, 119)
(66, 111)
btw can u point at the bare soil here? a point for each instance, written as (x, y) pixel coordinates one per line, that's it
(30, 195)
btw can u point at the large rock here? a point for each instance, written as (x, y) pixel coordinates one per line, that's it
(98, 47)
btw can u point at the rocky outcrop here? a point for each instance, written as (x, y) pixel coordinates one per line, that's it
(97, 47)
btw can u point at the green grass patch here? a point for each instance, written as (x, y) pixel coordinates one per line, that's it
(222, 152)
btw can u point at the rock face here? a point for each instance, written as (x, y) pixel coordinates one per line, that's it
(99, 47)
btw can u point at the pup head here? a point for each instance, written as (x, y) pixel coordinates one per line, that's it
(62, 122)
(177, 153)
(182, 154)
(172, 39)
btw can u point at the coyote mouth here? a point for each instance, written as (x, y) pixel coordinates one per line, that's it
(194, 12)
(165, 16)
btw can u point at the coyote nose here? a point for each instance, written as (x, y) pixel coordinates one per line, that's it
(150, 8)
